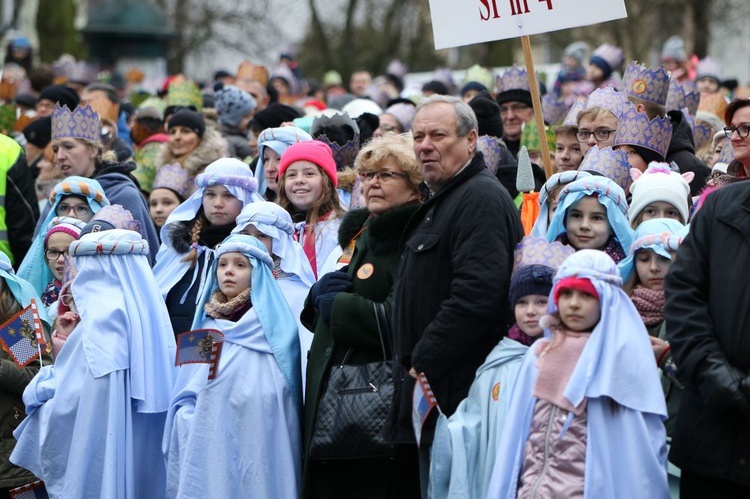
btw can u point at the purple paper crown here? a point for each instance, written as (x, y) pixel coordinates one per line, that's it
(554, 109)
(703, 134)
(513, 79)
(610, 163)
(173, 177)
(689, 118)
(611, 54)
(69, 270)
(492, 151)
(635, 129)
(683, 95)
(610, 99)
(116, 216)
(651, 85)
(571, 119)
(82, 123)
(537, 251)
(727, 153)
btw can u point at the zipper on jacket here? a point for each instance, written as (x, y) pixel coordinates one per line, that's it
(370, 389)
(545, 464)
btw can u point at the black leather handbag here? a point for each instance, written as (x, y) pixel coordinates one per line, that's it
(353, 414)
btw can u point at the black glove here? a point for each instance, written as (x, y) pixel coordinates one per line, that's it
(723, 386)
(324, 304)
(332, 282)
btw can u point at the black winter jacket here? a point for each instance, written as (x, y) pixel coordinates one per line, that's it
(682, 152)
(708, 326)
(451, 292)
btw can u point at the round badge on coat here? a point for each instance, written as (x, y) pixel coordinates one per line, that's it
(496, 392)
(365, 271)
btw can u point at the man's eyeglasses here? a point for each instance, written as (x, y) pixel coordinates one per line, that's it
(742, 130)
(516, 108)
(382, 176)
(53, 254)
(80, 210)
(599, 135)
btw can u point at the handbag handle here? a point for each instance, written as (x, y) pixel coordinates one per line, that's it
(380, 318)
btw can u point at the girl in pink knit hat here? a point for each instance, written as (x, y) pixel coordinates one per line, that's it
(307, 190)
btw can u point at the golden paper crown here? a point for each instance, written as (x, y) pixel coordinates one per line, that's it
(7, 90)
(249, 71)
(134, 75)
(106, 109)
(184, 93)
(82, 123)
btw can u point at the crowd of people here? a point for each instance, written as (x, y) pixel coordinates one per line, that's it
(205, 263)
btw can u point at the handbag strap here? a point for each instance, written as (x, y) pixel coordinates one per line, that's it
(382, 323)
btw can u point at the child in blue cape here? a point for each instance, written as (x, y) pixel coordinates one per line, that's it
(592, 213)
(76, 197)
(586, 412)
(96, 417)
(463, 451)
(194, 229)
(239, 434)
(643, 272)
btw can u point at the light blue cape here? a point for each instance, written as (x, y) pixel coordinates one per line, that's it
(34, 268)
(661, 235)
(608, 194)
(626, 453)
(269, 304)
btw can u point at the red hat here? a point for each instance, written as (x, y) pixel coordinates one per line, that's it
(578, 283)
(313, 151)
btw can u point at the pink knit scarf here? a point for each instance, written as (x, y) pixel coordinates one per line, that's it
(556, 362)
(649, 303)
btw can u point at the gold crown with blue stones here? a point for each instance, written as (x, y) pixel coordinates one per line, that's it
(513, 79)
(635, 129)
(648, 84)
(81, 123)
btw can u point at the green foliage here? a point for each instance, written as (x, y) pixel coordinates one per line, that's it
(57, 33)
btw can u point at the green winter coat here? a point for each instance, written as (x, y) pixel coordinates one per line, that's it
(353, 326)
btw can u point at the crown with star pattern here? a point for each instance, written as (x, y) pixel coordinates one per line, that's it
(513, 79)
(609, 163)
(614, 101)
(635, 129)
(538, 251)
(683, 95)
(554, 109)
(648, 84)
(81, 123)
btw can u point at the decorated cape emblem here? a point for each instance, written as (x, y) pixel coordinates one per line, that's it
(22, 337)
(201, 346)
(496, 392)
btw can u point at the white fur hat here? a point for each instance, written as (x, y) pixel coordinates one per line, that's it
(659, 183)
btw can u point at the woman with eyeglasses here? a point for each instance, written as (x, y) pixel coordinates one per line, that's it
(75, 197)
(339, 309)
(737, 131)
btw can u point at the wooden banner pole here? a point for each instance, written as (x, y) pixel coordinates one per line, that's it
(537, 105)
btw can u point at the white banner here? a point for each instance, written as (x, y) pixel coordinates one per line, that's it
(458, 22)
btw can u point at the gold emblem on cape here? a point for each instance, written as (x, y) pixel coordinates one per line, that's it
(639, 86)
(496, 392)
(365, 271)
(205, 345)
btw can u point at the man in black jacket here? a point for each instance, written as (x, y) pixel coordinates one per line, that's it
(451, 296)
(708, 319)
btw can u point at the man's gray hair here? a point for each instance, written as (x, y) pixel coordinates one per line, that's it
(466, 120)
